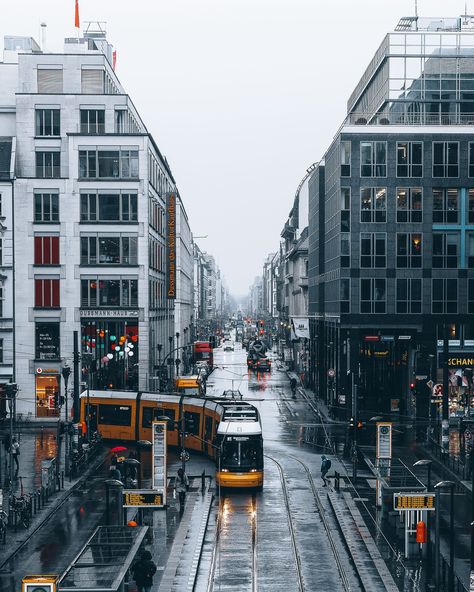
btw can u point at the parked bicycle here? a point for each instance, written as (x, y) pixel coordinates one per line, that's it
(3, 526)
(21, 506)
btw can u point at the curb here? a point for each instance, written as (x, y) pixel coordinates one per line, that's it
(60, 500)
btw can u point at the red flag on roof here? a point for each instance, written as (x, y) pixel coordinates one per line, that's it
(76, 16)
(114, 58)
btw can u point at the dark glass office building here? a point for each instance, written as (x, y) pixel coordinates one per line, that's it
(391, 229)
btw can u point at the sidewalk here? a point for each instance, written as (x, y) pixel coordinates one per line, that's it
(36, 444)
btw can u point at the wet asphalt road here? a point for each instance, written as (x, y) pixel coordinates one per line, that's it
(284, 423)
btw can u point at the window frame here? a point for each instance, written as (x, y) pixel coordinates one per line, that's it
(409, 301)
(445, 308)
(40, 123)
(373, 255)
(410, 257)
(89, 160)
(374, 164)
(410, 210)
(371, 309)
(55, 167)
(409, 159)
(445, 165)
(40, 194)
(373, 210)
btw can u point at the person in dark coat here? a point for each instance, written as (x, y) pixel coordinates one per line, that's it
(143, 572)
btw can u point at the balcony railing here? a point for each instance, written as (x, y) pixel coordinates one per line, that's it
(410, 119)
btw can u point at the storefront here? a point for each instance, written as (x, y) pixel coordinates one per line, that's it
(47, 386)
(460, 380)
(114, 345)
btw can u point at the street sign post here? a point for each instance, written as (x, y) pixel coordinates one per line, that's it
(383, 456)
(404, 502)
(159, 459)
(413, 508)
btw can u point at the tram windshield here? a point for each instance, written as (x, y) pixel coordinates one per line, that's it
(242, 452)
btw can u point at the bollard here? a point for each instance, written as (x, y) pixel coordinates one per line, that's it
(203, 481)
(34, 502)
(47, 493)
(43, 495)
(62, 479)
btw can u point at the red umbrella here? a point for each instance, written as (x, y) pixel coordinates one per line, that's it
(118, 449)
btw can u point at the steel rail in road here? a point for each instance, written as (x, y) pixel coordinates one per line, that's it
(215, 557)
(299, 572)
(324, 520)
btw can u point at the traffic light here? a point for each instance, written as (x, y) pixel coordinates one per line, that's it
(413, 387)
(360, 425)
(56, 400)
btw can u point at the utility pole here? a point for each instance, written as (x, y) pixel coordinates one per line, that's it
(445, 416)
(66, 372)
(76, 376)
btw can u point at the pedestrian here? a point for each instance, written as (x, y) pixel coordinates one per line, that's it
(15, 448)
(181, 487)
(293, 387)
(325, 466)
(143, 572)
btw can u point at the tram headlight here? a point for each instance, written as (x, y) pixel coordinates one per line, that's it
(224, 470)
(253, 470)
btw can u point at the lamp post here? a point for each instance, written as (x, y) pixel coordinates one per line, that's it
(438, 488)
(177, 361)
(87, 359)
(424, 462)
(170, 339)
(66, 372)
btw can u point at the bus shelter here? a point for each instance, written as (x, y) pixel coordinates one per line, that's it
(102, 564)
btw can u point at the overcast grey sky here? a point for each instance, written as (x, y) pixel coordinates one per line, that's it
(241, 96)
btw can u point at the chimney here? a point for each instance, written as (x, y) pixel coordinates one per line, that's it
(43, 37)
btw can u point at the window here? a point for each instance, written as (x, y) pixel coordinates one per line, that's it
(50, 81)
(109, 292)
(409, 247)
(345, 250)
(471, 159)
(92, 81)
(1, 307)
(47, 341)
(92, 121)
(409, 159)
(345, 159)
(109, 207)
(108, 164)
(117, 415)
(408, 296)
(445, 250)
(48, 165)
(191, 422)
(373, 159)
(46, 250)
(470, 207)
(470, 250)
(47, 122)
(445, 159)
(150, 414)
(345, 209)
(445, 206)
(109, 250)
(47, 293)
(470, 296)
(372, 296)
(345, 294)
(409, 204)
(373, 249)
(46, 207)
(445, 296)
(373, 204)
(1, 351)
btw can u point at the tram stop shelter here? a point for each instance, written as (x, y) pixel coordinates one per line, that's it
(394, 477)
(102, 564)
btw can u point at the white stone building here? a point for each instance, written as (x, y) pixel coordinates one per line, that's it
(90, 223)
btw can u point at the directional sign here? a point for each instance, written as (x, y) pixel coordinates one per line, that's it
(430, 384)
(384, 440)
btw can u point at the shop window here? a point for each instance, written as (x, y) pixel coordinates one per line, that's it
(47, 293)
(47, 396)
(115, 415)
(46, 250)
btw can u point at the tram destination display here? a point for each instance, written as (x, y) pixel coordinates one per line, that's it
(402, 502)
(136, 498)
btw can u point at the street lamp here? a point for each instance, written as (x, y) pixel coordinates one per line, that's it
(425, 462)
(438, 488)
(66, 372)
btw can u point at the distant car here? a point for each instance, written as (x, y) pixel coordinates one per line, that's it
(228, 346)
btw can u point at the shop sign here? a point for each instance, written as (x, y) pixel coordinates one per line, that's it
(300, 327)
(118, 313)
(460, 360)
(171, 246)
(402, 502)
(144, 498)
(41, 370)
(47, 341)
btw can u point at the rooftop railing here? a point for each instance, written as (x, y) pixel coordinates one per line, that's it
(410, 119)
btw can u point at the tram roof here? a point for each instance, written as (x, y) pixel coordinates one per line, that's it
(239, 428)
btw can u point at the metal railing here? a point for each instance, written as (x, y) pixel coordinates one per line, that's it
(410, 119)
(458, 586)
(450, 461)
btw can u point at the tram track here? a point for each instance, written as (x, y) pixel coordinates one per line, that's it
(228, 566)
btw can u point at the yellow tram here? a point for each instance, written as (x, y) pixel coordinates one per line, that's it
(228, 431)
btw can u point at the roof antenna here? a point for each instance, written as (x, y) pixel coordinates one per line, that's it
(416, 15)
